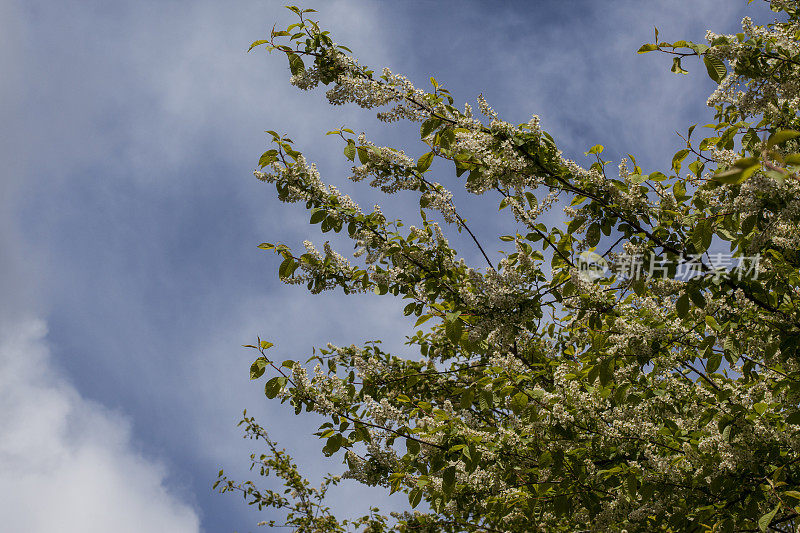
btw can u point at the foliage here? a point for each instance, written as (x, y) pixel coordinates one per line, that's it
(305, 509)
(546, 399)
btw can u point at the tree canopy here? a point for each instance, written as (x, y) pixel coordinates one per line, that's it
(610, 371)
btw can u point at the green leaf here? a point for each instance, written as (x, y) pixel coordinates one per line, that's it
(428, 127)
(764, 521)
(273, 386)
(713, 362)
(296, 65)
(449, 479)
(267, 157)
(676, 66)
(333, 444)
(760, 408)
(657, 176)
(575, 223)
(287, 268)
(749, 223)
(747, 162)
(483, 400)
(697, 168)
(632, 483)
(593, 235)
(265, 345)
(446, 138)
(545, 459)
(780, 137)
(561, 505)
(380, 289)
(794, 418)
(749, 138)
(318, 216)
(424, 162)
(467, 397)
(412, 446)
(596, 149)
(715, 67)
(257, 43)
(697, 298)
(731, 177)
(363, 154)
(258, 368)
(532, 200)
(414, 497)
(699, 48)
(422, 319)
(682, 305)
(736, 175)
(646, 48)
(679, 190)
(454, 329)
(606, 373)
(350, 150)
(712, 323)
(678, 158)
(518, 402)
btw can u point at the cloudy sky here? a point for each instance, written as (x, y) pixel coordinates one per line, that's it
(129, 219)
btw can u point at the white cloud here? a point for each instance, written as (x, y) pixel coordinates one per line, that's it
(66, 463)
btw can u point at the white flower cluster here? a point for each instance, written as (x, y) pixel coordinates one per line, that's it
(505, 166)
(609, 365)
(767, 96)
(388, 168)
(441, 200)
(304, 183)
(354, 86)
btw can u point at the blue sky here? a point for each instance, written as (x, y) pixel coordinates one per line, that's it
(129, 219)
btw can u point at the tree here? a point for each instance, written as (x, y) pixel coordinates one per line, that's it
(611, 375)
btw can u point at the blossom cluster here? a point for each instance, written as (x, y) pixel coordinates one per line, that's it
(663, 397)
